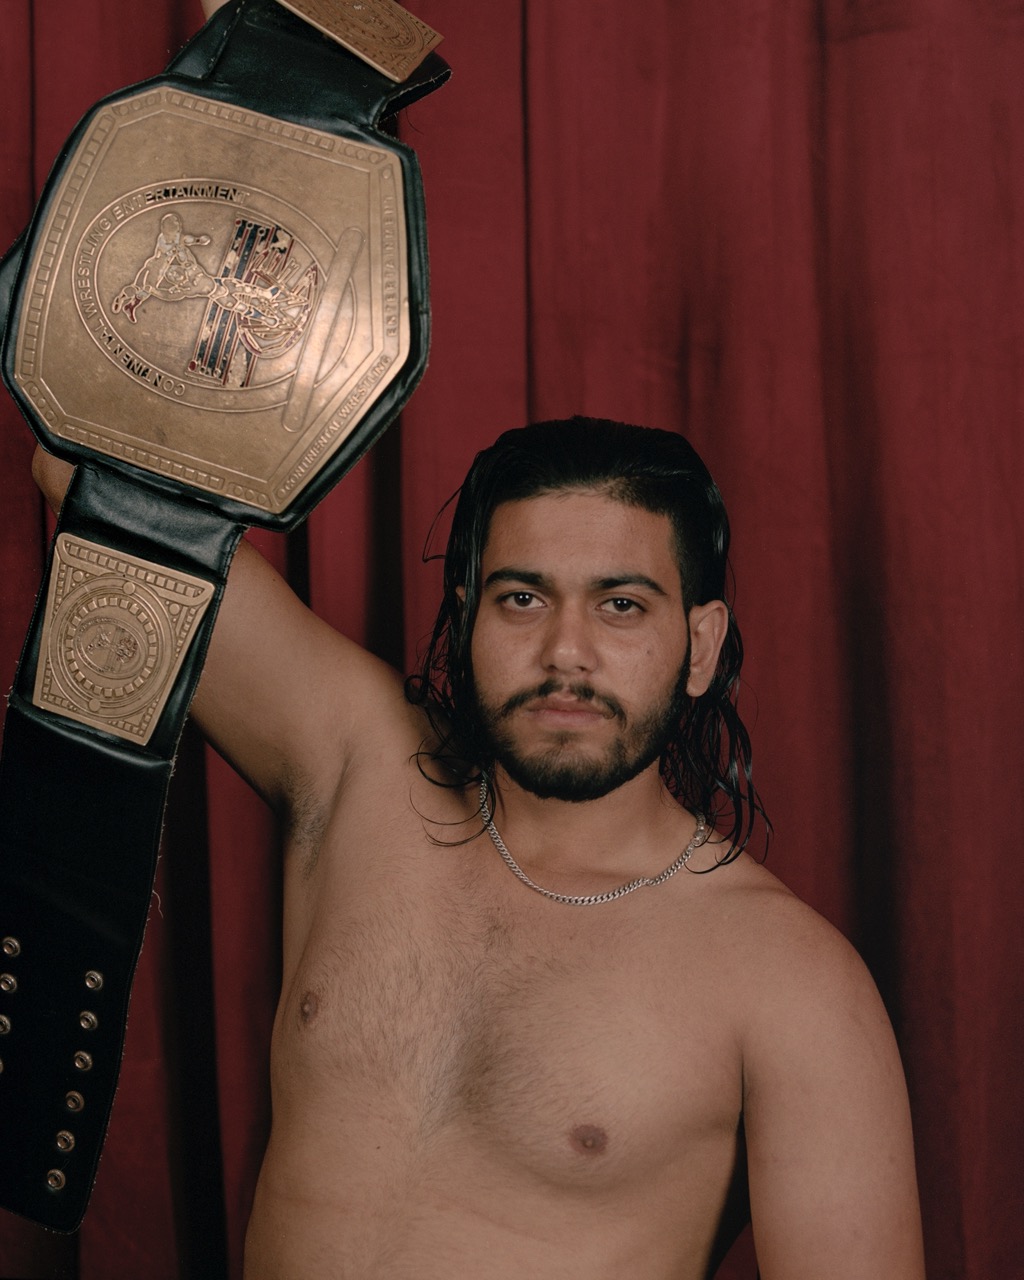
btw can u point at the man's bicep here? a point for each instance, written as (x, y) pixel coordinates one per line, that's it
(282, 694)
(831, 1167)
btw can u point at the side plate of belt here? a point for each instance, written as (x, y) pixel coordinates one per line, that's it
(220, 304)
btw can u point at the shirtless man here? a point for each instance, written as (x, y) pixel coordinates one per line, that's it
(473, 1080)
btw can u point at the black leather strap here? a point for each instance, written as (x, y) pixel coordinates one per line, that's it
(80, 820)
(80, 807)
(233, 52)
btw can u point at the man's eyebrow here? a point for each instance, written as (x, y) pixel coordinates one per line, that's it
(530, 578)
(630, 580)
(511, 574)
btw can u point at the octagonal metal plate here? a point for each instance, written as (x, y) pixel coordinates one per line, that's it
(217, 296)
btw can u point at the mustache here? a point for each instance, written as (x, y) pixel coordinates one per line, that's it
(580, 690)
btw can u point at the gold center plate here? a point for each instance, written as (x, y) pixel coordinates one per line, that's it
(216, 296)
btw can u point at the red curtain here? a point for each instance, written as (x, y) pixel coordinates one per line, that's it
(792, 230)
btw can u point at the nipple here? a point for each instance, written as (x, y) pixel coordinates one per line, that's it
(589, 1139)
(309, 1007)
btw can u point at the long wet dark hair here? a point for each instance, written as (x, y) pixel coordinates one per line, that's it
(706, 765)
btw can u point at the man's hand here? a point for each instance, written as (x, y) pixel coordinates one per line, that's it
(52, 475)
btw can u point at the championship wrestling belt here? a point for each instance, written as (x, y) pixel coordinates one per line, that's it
(220, 304)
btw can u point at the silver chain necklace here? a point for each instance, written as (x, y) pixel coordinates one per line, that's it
(591, 899)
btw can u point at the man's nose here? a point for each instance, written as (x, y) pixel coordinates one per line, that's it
(569, 641)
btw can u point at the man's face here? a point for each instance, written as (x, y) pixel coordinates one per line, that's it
(580, 643)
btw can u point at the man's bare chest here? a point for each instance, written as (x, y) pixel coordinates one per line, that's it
(452, 1001)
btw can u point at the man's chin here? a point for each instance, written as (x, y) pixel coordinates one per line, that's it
(575, 779)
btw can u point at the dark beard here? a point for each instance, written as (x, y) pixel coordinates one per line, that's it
(554, 774)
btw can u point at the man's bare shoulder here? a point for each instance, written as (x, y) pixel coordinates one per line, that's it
(773, 927)
(781, 963)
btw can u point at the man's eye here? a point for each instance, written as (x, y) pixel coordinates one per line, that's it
(520, 600)
(622, 605)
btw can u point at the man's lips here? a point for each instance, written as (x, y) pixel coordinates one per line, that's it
(572, 705)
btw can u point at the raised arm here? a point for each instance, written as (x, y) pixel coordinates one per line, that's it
(283, 696)
(831, 1166)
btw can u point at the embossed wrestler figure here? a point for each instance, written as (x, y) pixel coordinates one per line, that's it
(543, 1015)
(173, 273)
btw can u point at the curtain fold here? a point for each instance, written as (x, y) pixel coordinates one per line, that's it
(792, 231)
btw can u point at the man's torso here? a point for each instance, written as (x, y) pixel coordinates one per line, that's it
(470, 1080)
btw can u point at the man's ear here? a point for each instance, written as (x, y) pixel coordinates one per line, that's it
(461, 593)
(708, 626)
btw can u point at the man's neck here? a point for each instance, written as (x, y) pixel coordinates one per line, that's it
(629, 832)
